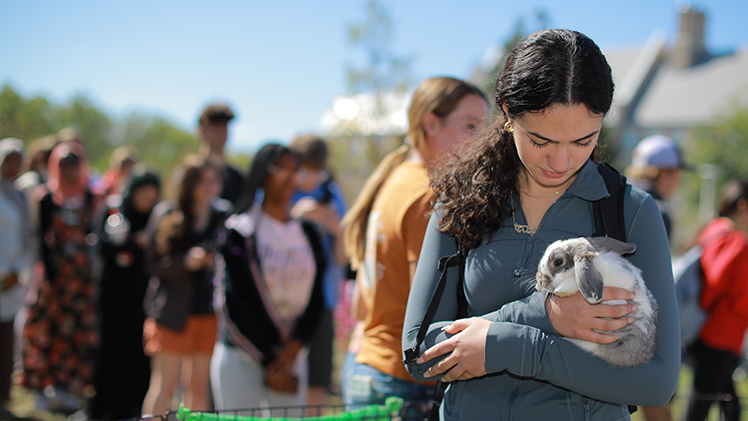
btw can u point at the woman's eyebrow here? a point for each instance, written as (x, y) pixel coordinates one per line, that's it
(538, 135)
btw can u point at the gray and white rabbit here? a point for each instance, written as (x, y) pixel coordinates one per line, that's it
(587, 265)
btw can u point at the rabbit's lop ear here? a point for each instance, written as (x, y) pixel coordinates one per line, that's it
(611, 244)
(589, 280)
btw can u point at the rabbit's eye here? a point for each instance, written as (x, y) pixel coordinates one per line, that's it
(558, 262)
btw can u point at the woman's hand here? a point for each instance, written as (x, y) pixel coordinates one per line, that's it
(142, 239)
(467, 348)
(198, 258)
(324, 215)
(282, 382)
(573, 317)
(9, 282)
(279, 374)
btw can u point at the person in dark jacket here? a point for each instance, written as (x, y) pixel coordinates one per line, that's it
(269, 299)
(180, 328)
(120, 388)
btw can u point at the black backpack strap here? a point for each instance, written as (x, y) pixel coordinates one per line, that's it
(445, 263)
(460, 288)
(608, 211)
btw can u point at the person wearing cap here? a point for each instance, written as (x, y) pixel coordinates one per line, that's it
(213, 132)
(656, 167)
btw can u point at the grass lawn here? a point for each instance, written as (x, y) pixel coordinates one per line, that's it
(680, 402)
(23, 405)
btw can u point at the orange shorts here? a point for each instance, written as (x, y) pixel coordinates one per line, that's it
(198, 336)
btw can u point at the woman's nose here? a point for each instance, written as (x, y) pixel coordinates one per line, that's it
(559, 158)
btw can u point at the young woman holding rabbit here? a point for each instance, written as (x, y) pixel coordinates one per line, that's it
(527, 182)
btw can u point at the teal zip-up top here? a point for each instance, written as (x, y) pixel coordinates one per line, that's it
(533, 374)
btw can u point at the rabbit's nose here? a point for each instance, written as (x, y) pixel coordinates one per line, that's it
(542, 282)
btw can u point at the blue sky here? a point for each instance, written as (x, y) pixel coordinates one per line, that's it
(280, 63)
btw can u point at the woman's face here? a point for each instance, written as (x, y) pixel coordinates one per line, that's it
(445, 134)
(553, 145)
(144, 198)
(69, 172)
(310, 178)
(282, 180)
(11, 166)
(208, 186)
(741, 215)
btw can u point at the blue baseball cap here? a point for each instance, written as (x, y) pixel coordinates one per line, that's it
(658, 151)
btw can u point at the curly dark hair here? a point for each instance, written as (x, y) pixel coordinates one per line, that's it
(547, 68)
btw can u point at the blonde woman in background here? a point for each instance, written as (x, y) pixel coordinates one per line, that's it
(383, 234)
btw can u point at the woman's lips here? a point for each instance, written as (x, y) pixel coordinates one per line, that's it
(552, 174)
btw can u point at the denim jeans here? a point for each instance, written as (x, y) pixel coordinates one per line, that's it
(368, 386)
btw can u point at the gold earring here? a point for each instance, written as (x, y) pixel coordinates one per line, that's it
(508, 127)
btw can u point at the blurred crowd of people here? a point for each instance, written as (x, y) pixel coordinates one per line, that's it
(116, 300)
(113, 297)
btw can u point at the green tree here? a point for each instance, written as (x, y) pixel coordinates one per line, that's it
(520, 31)
(24, 119)
(92, 123)
(717, 149)
(380, 73)
(161, 144)
(723, 142)
(11, 105)
(383, 70)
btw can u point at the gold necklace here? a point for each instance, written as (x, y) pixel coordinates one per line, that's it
(522, 229)
(540, 197)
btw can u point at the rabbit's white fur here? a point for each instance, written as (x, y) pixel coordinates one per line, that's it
(587, 265)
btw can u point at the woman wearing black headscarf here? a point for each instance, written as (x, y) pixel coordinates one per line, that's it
(123, 370)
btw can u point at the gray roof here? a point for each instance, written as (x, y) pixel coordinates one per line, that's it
(631, 70)
(686, 97)
(655, 95)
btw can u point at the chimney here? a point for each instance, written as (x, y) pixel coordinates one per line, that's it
(689, 48)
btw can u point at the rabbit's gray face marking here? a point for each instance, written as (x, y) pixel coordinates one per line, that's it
(559, 261)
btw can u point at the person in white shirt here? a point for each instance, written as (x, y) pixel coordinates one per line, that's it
(14, 256)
